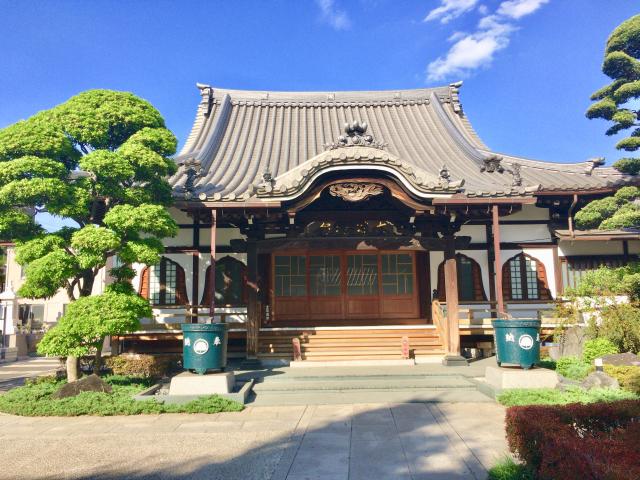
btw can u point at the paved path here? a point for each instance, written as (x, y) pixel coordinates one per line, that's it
(13, 374)
(316, 442)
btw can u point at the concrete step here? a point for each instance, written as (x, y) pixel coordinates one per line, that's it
(369, 396)
(339, 384)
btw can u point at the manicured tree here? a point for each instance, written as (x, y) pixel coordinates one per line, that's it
(100, 159)
(89, 320)
(616, 102)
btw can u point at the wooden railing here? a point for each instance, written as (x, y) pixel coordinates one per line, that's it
(439, 320)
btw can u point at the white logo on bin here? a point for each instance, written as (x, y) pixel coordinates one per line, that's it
(525, 342)
(217, 341)
(201, 346)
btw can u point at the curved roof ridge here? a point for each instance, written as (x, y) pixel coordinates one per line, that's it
(573, 167)
(329, 96)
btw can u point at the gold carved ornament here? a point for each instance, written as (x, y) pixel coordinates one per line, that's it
(355, 192)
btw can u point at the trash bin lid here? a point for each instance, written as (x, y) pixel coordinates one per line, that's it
(519, 323)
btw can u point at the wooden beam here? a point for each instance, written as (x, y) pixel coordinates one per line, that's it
(194, 205)
(451, 293)
(497, 260)
(212, 269)
(484, 201)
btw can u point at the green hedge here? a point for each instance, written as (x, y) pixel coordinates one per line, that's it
(34, 400)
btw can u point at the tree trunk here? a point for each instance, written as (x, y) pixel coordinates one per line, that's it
(97, 361)
(73, 369)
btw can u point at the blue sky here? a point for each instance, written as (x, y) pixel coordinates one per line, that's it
(529, 66)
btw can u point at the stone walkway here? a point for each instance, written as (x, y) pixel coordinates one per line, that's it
(315, 442)
(13, 374)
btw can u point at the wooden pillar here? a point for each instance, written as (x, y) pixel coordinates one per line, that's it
(212, 269)
(497, 261)
(253, 310)
(491, 269)
(451, 293)
(195, 268)
(557, 271)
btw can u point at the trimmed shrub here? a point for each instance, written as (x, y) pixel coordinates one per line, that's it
(621, 325)
(143, 366)
(628, 376)
(596, 348)
(572, 367)
(590, 442)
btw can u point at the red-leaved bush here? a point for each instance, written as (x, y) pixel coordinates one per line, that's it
(598, 441)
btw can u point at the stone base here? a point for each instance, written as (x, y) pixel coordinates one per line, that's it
(251, 364)
(502, 378)
(187, 383)
(9, 354)
(454, 361)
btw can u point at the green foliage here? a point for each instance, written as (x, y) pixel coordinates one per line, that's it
(574, 368)
(622, 64)
(596, 348)
(606, 281)
(144, 366)
(630, 166)
(88, 320)
(45, 275)
(35, 400)
(507, 469)
(595, 212)
(128, 220)
(628, 376)
(621, 326)
(552, 396)
(93, 245)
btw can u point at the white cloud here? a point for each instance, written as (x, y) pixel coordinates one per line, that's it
(337, 18)
(519, 8)
(471, 51)
(450, 9)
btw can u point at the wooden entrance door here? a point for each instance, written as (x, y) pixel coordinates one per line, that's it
(344, 285)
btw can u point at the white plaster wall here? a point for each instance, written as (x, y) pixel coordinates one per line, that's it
(524, 233)
(183, 238)
(568, 248)
(634, 247)
(223, 236)
(478, 233)
(529, 212)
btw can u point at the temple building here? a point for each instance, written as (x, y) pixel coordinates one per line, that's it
(365, 225)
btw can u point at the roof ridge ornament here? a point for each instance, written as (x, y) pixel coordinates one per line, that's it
(492, 164)
(193, 171)
(356, 136)
(517, 177)
(593, 163)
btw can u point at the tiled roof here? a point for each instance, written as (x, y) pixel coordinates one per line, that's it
(292, 137)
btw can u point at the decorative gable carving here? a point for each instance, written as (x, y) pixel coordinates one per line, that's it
(355, 192)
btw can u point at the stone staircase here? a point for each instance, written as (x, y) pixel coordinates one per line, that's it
(336, 385)
(340, 344)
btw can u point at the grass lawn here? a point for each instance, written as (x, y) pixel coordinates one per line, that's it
(507, 469)
(34, 400)
(552, 396)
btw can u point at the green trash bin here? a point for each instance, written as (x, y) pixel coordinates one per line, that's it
(517, 342)
(204, 346)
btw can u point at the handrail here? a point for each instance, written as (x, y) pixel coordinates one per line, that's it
(437, 315)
